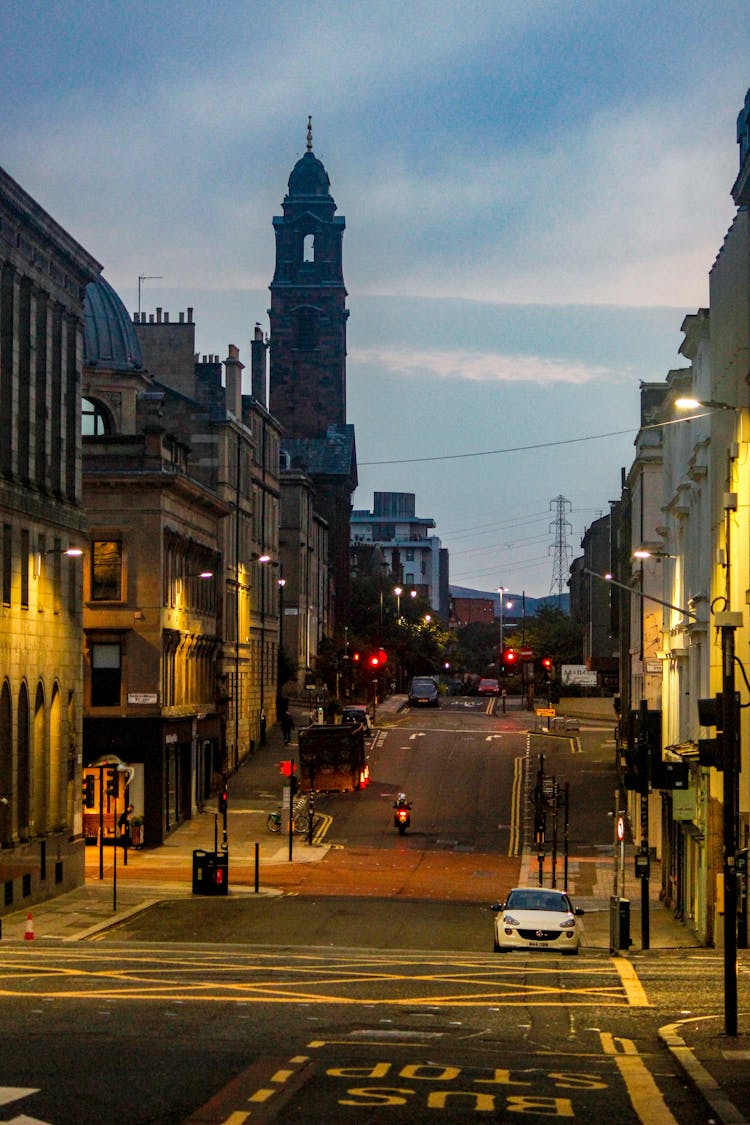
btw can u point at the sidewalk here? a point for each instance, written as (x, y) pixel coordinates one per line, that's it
(716, 1065)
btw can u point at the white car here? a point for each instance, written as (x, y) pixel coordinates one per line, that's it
(537, 918)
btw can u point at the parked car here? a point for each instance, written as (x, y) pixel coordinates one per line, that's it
(423, 692)
(488, 687)
(356, 714)
(537, 918)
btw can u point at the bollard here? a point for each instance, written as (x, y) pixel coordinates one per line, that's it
(257, 867)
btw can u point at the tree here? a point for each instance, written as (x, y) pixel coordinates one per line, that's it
(554, 634)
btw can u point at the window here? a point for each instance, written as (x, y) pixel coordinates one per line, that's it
(94, 421)
(308, 251)
(106, 675)
(7, 562)
(106, 570)
(306, 329)
(25, 561)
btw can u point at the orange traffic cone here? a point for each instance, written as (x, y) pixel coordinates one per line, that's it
(29, 935)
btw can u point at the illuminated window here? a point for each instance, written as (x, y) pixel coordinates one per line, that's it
(106, 570)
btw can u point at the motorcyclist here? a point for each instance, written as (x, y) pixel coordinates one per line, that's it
(402, 802)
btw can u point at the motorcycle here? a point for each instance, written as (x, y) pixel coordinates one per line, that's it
(401, 815)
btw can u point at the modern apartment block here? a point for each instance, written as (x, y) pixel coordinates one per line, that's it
(415, 559)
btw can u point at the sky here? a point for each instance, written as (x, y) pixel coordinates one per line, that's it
(534, 195)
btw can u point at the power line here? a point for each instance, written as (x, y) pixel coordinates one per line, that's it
(494, 452)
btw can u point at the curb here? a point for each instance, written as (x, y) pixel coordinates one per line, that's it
(706, 1085)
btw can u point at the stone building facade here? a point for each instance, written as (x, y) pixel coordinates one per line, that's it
(234, 443)
(43, 276)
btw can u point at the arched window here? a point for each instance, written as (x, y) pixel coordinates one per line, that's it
(94, 420)
(23, 764)
(308, 248)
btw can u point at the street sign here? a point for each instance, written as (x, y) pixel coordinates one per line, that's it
(546, 712)
(578, 675)
(526, 653)
(620, 828)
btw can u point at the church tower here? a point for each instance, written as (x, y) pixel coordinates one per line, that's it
(307, 365)
(308, 306)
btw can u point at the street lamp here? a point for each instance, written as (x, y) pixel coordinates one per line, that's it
(398, 591)
(688, 403)
(502, 591)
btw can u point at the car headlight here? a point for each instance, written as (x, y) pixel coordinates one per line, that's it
(568, 924)
(509, 920)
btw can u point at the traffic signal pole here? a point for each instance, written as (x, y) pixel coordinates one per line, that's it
(728, 622)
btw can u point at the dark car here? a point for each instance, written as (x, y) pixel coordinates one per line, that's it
(357, 715)
(423, 692)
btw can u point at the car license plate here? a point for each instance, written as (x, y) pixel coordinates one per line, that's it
(539, 944)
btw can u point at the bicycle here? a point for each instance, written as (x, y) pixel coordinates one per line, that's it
(299, 817)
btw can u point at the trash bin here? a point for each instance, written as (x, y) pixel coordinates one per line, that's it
(221, 873)
(210, 872)
(619, 923)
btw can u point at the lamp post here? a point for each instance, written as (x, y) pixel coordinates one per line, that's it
(502, 591)
(266, 560)
(282, 584)
(398, 591)
(262, 560)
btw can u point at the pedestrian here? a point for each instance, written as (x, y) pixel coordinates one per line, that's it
(123, 822)
(287, 726)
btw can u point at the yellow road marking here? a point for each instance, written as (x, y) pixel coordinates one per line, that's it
(645, 1096)
(515, 806)
(634, 990)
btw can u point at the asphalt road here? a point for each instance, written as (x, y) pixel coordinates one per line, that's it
(199, 1034)
(372, 995)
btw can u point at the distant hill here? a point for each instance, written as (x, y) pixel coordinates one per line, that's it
(532, 604)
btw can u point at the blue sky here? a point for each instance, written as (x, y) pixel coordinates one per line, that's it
(534, 195)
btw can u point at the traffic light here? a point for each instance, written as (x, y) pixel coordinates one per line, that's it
(548, 667)
(711, 714)
(87, 791)
(113, 782)
(223, 798)
(643, 752)
(510, 660)
(377, 659)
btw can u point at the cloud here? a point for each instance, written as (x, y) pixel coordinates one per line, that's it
(478, 367)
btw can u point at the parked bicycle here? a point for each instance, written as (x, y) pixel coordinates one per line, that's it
(300, 822)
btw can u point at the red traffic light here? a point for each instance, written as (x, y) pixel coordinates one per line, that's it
(510, 656)
(378, 659)
(287, 768)
(546, 663)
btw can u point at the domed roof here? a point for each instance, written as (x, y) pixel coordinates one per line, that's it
(109, 338)
(309, 177)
